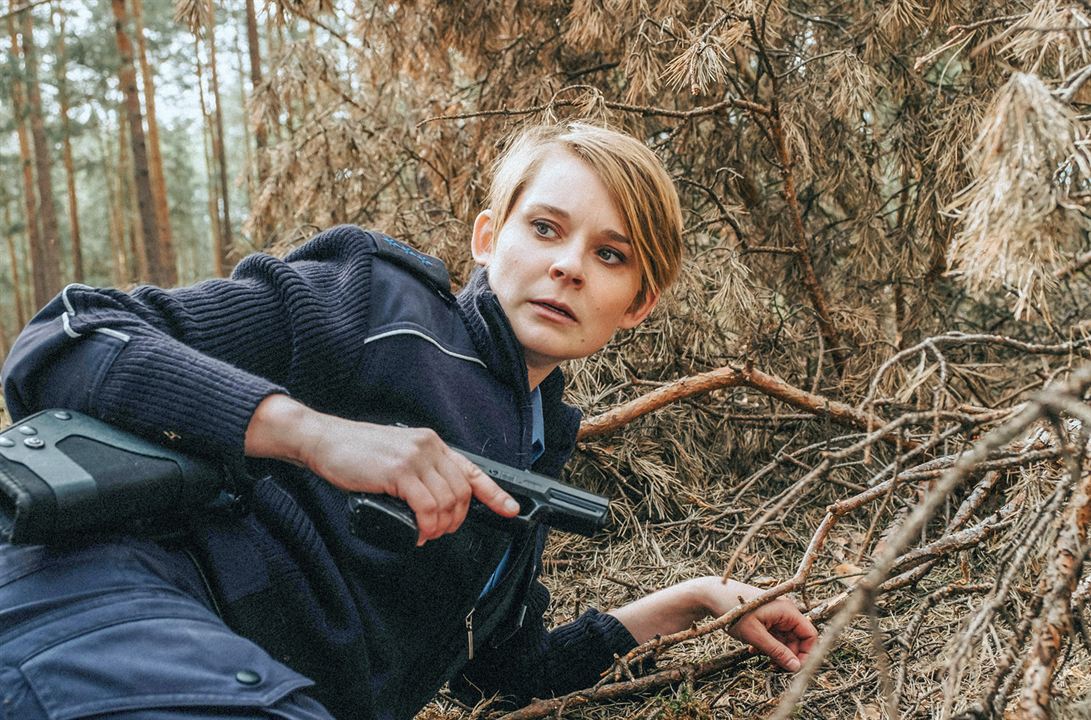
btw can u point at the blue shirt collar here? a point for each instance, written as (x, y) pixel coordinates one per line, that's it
(537, 427)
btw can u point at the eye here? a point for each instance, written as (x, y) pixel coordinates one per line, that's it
(611, 256)
(543, 229)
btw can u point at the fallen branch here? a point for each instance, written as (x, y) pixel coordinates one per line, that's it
(613, 691)
(726, 377)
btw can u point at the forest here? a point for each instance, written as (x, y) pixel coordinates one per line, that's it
(868, 388)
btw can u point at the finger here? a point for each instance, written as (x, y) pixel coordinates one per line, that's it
(461, 493)
(487, 491)
(797, 626)
(777, 651)
(422, 504)
(445, 503)
(807, 641)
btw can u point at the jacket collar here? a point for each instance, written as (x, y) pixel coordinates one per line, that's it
(496, 344)
(492, 334)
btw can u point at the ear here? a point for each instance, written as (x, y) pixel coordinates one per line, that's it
(638, 311)
(481, 243)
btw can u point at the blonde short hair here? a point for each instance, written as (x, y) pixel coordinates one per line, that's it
(634, 176)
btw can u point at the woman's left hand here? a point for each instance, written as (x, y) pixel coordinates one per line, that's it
(777, 628)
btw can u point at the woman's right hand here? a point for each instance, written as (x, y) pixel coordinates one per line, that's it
(413, 464)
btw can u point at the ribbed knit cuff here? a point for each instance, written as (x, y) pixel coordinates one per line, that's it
(582, 649)
(179, 396)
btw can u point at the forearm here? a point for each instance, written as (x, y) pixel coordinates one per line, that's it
(777, 628)
(189, 366)
(279, 428)
(100, 358)
(668, 610)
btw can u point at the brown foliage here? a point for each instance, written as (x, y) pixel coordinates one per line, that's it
(868, 387)
(886, 228)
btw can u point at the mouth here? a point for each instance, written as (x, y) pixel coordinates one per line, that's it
(555, 308)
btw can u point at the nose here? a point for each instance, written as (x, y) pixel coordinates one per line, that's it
(567, 264)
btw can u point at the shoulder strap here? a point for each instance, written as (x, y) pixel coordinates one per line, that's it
(426, 267)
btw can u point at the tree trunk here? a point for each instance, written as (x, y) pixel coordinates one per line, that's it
(119, 262)
(255, 80)
(69, 165)
(156, 272)
(261, 227)
(3, 341)
(155, 156)
(245, 105)
(48, 271)
(218, 142)
(16, 281)
(30, 198)
(213, 201)
(131, 222)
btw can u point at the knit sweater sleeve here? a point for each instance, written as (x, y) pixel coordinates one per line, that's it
(540, 663)
(190, 365)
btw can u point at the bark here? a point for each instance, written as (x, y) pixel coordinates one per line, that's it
(127, 202)
(119, 261)
(30, 198)
(16, 280)
(254, 46)
(218, 146)
(47, 266)
(213, 201)
(69, 165)
(3, 341)
(1054, 626)
(155, 156)
(141, 177)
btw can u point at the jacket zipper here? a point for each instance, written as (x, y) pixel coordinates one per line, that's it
(470, 634)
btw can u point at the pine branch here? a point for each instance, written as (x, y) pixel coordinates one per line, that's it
(644, 110)
(725, 377)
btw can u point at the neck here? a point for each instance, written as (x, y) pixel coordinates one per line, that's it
(537, 373)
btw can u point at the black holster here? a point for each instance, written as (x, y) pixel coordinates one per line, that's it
(64, 474)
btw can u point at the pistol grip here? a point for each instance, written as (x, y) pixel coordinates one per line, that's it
(383, 520)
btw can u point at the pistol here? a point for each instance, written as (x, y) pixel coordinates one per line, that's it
(541, 499)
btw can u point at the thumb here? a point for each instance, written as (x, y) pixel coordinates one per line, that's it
(777, 651)
(486, 490)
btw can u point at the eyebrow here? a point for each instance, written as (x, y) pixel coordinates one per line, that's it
(546, 209)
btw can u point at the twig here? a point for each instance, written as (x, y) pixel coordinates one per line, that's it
(813, 287)
(1074, 267)
(912, 628)
(958, 338)
(545, 708)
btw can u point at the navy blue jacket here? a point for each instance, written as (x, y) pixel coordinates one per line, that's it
(360, 326)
